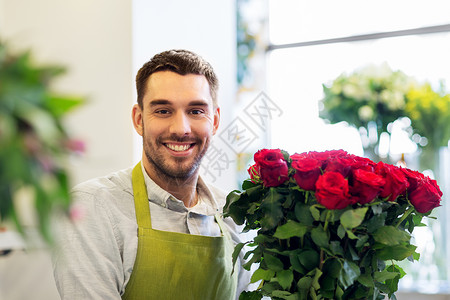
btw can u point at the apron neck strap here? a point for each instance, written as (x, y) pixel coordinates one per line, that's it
(143, 216)
(141, 204)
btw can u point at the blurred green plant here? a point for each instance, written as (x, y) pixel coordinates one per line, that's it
(378, 95)
(372, 93)
(429, 112)
(33, 141)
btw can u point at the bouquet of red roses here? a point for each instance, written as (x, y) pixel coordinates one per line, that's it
(330, 225)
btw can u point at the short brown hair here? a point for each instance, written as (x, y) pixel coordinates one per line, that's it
(182, 62)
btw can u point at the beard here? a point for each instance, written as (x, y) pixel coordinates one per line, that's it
(178, 167)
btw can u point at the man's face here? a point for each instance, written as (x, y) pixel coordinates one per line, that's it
(177, 123)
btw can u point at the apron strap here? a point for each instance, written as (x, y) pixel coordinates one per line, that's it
(143, 216)
(141, 204)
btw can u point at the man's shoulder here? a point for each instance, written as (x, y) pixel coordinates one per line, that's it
(216, 190)
(110, 195)
(218, 194)
(113, 182)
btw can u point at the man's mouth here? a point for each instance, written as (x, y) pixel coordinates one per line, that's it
(178, 147)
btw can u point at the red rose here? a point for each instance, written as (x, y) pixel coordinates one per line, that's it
(396, 181)
(362, 163)
(413, 177)
(366, 186)
(297, 156)
(272, 167)
(307, 171)
(426, 195)
(341, 164)
(332, 191)
(325, 156)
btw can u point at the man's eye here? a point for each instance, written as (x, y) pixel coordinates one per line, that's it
(196, 111)
(162, 111)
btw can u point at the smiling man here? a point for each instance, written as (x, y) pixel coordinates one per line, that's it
(177, 118)
(155, 231)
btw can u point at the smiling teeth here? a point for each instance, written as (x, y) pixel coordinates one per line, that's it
(178, 148)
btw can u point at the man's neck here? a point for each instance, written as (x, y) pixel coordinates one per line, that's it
(182, 189)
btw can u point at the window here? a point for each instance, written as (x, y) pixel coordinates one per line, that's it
(313, 42)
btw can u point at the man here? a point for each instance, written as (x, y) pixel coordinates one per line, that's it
(154, 231)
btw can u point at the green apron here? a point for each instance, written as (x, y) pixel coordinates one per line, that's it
(171, 265)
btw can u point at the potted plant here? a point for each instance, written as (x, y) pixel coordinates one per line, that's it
(369, 99)
(33, 141)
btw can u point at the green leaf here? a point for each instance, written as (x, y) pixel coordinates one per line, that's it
(281, 294)
(262, 274)
(253, 295)
(273, 262)
(263, 238)
(312, 294)
(290, 229)
(352, 253)
(256, 257)
(366, 280)
(247, 184)
(339, 293)
(392, 284)
(361, 242)
(269, 287)
(353, 218)
(417, 220)
(376, 222)
(320, 237)
(332, 267)
(255, 192)
(236, 251)
(341, 231)
(309, 259)
(304, 283)
(236, 206)
(336, 248)
(376, 209)
(271, 206)
(349, 273)
(396, 268)
(315, 212)
(391, 236)
(295, 262)
(385, 275)
(315, 283)
(399, 252)
(351, 235)
(382, 287)
(328, 283)
(336, 214)
(285, 278)
(303, 214)
(61, 105)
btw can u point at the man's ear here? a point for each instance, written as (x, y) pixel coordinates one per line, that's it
(216, 120)
(136, 115)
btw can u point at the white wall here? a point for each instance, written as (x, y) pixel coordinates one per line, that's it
(93, 40)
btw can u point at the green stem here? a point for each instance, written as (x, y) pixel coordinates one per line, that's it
(327, 219)
(321, 259)
(405, 215)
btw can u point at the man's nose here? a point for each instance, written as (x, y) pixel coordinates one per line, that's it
(180, 124)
